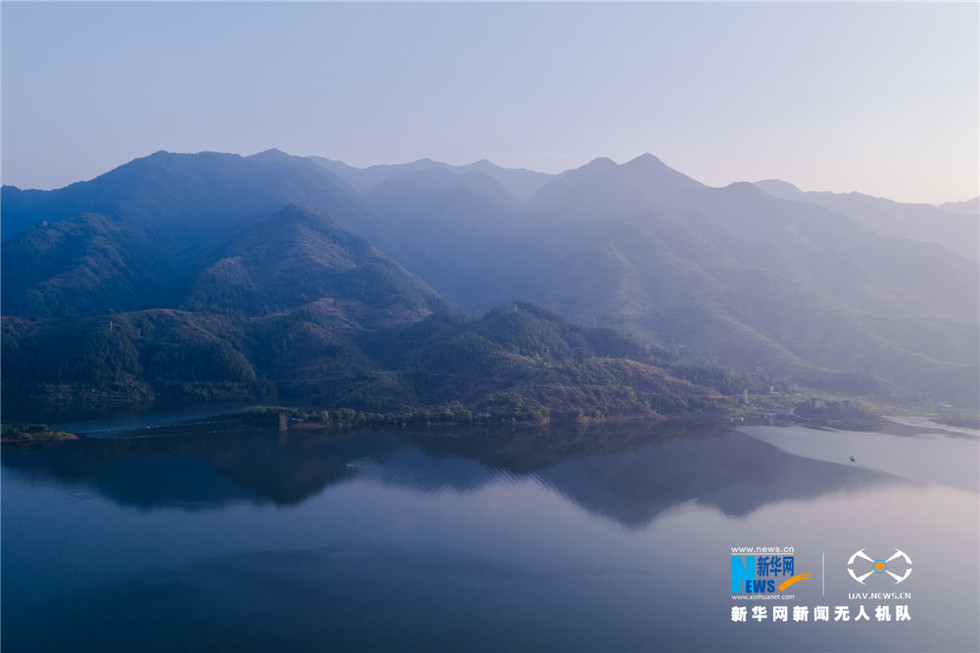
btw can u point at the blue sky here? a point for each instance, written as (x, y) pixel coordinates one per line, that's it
(882, 98)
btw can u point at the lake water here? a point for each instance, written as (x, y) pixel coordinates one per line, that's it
(223, 538)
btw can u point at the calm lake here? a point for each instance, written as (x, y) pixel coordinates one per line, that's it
(224, 538)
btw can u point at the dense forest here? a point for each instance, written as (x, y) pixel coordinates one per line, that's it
(521, 363)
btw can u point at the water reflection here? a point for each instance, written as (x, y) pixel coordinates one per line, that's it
(569, 540)
(627, 474)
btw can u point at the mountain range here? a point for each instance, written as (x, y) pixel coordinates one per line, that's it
(300, 276)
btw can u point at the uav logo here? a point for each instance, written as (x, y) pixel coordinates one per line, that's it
(900, 562)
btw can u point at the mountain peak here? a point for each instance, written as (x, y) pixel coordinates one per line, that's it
(482, 165)
(645, 159)
(775, 186)
(649, 164)
(746, 189)
(666, 184)
(272, 154)
(599, 163)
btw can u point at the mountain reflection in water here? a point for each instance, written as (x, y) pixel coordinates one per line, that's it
(628, 474)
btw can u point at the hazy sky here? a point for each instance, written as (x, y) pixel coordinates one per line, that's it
(883, 98)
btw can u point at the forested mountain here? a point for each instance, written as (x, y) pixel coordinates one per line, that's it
(298, 256)
(737, 277)
(198, 250)
(136, 236)
(278, 307)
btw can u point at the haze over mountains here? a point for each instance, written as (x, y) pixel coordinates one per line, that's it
(953, 224)
(812, 288)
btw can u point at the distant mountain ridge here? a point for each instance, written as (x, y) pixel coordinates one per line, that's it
(955, 225)
(731, 276)
(185, 194)
(522, 183)
(967, 207)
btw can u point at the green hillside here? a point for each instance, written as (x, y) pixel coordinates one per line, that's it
(520, 363)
